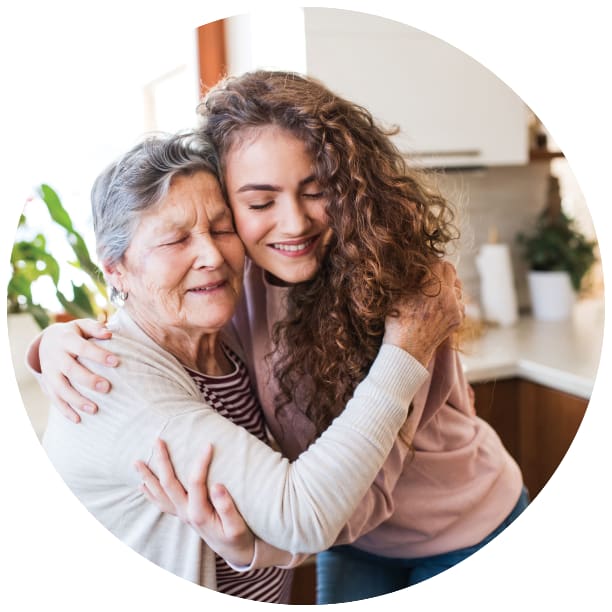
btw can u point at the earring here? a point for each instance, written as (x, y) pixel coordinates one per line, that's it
(118, 297)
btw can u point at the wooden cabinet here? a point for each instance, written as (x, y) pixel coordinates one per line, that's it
(304, 587)
(537, 424)
(452, 111)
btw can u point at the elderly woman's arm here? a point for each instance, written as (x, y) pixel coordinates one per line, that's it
(211, 513)
(299, 506)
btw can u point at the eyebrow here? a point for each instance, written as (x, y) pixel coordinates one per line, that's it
(175, 224)
(221, 214)
(270, 187)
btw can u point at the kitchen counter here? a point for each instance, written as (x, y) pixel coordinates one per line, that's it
(563, 355)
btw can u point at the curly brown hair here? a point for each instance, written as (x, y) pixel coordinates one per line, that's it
(389, 227)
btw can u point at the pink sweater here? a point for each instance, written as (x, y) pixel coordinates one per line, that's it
(455, 486)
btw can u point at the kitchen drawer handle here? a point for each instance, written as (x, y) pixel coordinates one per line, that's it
(454, 153)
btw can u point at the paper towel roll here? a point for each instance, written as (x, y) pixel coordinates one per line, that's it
(497, 292)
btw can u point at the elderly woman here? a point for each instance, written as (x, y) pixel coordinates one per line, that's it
(168, 247)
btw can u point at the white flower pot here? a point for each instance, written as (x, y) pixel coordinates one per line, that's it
(552, 295)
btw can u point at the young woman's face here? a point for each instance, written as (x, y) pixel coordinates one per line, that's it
(279, 208)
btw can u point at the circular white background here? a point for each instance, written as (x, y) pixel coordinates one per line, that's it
(56, 556)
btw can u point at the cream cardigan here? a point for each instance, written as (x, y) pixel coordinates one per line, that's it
(298, 506)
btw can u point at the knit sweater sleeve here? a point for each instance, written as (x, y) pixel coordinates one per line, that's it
(380, 501)
(297, 506)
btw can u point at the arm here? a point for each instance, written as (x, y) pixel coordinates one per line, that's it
(378, 503)
(297, 506)
(211, 513)
(52, 359)
(406, 394)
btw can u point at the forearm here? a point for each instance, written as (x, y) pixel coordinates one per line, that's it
(311, 498)
(299, 506)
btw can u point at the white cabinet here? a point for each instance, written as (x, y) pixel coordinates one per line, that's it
(451, 110)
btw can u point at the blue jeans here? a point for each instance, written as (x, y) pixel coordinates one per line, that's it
(345, 573)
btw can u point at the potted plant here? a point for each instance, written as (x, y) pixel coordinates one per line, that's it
(558, 256)
(31, 261)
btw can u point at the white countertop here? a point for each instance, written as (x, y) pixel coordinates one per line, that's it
(563, 355)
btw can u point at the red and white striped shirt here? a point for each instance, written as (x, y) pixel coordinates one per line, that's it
(233, 397)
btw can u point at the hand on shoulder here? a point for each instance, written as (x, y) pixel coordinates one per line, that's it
(421, 322)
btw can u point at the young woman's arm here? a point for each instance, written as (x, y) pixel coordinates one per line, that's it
(53, 358)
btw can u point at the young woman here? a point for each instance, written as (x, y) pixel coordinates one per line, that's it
(337, 227)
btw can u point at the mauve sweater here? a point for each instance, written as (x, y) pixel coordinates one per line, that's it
(454, 487)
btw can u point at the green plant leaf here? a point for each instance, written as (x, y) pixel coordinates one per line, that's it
(556, 245)
(40, 315)
(34, 261)
(30, 260)
(73, 307)
(20, 284)
(75, 239)
(84, 299)
(82, 254)
(54, 206)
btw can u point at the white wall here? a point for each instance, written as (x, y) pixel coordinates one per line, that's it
(255, 40)
(79, 111)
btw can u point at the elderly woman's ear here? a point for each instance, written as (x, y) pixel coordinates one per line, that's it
(115, 277)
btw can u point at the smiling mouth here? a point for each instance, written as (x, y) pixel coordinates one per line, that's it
(295, 248)
(207, 288)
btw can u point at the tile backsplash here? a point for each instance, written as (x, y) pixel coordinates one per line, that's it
(507, 198)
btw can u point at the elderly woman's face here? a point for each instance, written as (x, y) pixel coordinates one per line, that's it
(184, 265)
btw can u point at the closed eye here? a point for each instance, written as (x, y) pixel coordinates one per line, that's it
(177, 241)
(314, 196)
(261, 206)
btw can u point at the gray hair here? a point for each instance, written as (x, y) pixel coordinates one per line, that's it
(139, 180)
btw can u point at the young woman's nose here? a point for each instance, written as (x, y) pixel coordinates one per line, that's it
(207, 253)
(294, 219)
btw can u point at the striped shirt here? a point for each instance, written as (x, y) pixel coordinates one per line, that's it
(233, 397)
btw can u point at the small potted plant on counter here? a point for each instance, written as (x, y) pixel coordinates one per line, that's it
(558, 256)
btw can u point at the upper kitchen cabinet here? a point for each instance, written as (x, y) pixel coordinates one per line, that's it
(452, 111)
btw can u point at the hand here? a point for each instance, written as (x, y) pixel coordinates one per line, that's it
(216, 520)
(423, 321)
(60, 346)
